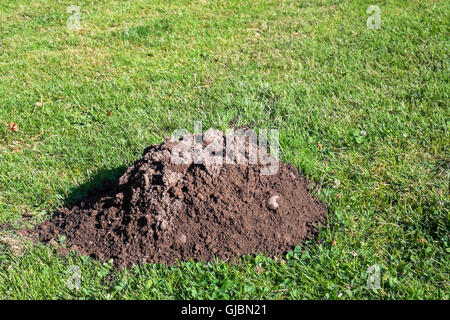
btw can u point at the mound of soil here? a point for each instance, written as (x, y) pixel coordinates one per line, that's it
(161, 212)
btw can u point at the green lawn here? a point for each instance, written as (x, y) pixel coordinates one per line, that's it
(363, 113)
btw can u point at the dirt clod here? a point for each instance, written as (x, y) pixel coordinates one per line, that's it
(163, 212)
(22, 232)
(272, 203)
(62, 251)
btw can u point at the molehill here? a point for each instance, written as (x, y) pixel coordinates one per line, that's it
(164, 211)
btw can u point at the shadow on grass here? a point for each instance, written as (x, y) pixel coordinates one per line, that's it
(103, 181)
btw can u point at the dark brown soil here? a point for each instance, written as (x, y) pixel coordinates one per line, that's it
(161, 212)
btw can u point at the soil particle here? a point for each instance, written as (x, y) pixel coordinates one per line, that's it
(272, 203)
(62, 251)
(22, 232)
(163, 212)
(182, 239)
